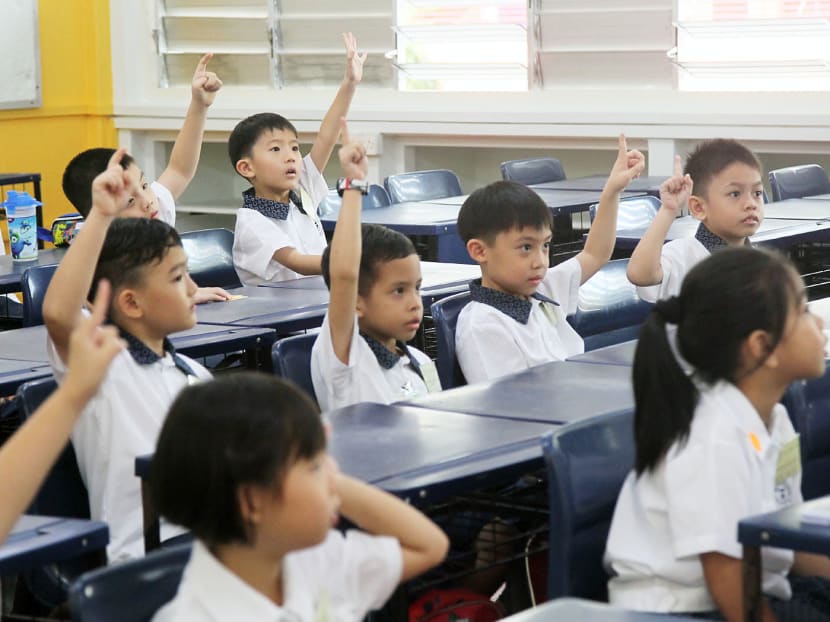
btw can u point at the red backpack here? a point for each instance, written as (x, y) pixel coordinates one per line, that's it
(454, 605)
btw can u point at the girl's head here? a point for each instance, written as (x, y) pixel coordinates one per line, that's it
(242, 459)
(739, 311)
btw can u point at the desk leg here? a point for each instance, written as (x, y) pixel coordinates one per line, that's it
(152, 526)
(753, 598)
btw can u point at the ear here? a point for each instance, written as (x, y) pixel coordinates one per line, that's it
(360, 307)
(697, 207)
(757, 349)
(126, 304)
(245, 168)
(249, 499)
(477, 250)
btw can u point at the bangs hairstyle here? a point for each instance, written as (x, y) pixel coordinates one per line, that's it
(501, 206)
(82, 170)
(711, 157)
(380, 244)
(247, 132)
(723, 299)
(131, 245)
(244, 429)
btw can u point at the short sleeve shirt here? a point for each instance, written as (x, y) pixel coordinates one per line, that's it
(677, 258)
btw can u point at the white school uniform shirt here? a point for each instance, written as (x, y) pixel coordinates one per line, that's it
(340, 580)
(121, 422)
(692, 502)
(257, 237)
(373, 374)
(676, 259)
(499, 334)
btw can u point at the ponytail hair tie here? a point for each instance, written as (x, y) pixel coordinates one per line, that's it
(670, 309)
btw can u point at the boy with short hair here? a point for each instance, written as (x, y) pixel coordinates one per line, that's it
(516, 318)
(375, 307)
(278, 235)
(152, 296)
(728, 201)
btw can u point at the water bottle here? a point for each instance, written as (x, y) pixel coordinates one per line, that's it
(21, 215)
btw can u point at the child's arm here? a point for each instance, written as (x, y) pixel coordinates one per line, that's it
(70, 285)
(294, 260)
(644, 267)
(423, 544)
(346, 247)
(330, 127)
(811, 565)
(603, 233)
(28, 455)
(724, 579)
(186, 150)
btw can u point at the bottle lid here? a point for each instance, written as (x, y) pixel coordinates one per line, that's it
(19, 199)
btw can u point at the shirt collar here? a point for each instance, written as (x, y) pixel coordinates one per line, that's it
(385, 358)
(515, 307)
(143, 355)
(711, 241)
(271, 209)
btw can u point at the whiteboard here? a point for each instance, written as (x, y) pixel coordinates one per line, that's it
(19, 55)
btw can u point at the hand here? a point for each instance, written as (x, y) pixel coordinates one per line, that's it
(628, 166)
(352, 155)
(676, 190)
(205, 83)
(112, 188)
(354, 61)
(210, 294)
(92, 347)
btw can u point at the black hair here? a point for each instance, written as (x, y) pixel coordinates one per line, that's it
(379, 245)
(247, 132)
(723, 299)
(243, 429)
(712, 156)
(130, 246)
(82, 170)
(501, 206)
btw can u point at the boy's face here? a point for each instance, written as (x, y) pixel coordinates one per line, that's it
(801, 348)
(143, 203)
(274, 165)
(516, 262)
(733, 206)
(392, 310)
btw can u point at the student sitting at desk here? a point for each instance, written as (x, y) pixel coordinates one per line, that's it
(242, 463)
(157, 199)
(152, 296)
(278, 235)
(717, 447)
(516, 318)
(375, 307)
(728, 201)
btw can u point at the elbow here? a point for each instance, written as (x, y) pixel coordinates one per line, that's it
(438, 548)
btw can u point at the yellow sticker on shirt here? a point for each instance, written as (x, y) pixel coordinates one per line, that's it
(789, 461)
(549, 311)
(431, 379)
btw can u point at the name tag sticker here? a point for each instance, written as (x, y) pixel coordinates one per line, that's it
(789, 461)
(431, 379)
(550, 312)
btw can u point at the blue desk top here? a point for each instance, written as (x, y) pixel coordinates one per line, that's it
(784, 529)
(797, 209)
(38, 540)
(415, 218)
(577, 610)
(281, 308)
(618, 354)
(12, 271)
(650, 185)
(14, 372)
(559, 392)
(559, 200)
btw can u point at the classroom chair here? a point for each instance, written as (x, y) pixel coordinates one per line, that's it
(131, 591)
(33, 285)
(587, 463)
(210, 257)
(291, 358)
(445, 317)
(422, 185)
(796, 182)
(609, 310)
(532, 170)
(807, 403)
(633, 213)
(377, 197)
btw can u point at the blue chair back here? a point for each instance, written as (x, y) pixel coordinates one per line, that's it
(808, 404)
(131, 591)
(422, 185)
(33, 284)
(796, 182)
(587, 463)
(291, 358)
(532, 170)
(210, 257)
(445, 317)
(377, 197)
(634, 212)
(609, 310)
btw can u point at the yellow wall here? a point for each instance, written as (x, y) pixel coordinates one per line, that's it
(76, 113)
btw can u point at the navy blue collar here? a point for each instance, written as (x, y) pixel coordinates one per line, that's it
(143, 355)
(515, 307)
(269, 208)
(711, 241)
(387, 359)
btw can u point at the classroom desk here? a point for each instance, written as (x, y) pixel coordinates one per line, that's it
(819, 197)
(12, 271)
(14, 372)
(781, 529)
(39, 540)
(558, 392)
(617, 354)
(645, 184)
(560, 201)
(578, 610)
(797, 209)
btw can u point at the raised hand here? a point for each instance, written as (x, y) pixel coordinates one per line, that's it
(112, 188)
(676, 190)
(205, 83)
(352, 155)
(354, 61)
(627, 166)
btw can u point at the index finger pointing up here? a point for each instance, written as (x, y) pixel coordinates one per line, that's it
(623, 146)
(202, 66)
(115, 158)
(678, 166)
